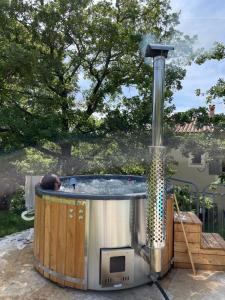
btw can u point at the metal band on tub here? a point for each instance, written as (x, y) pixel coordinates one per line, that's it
(58, 275)
(63, 200)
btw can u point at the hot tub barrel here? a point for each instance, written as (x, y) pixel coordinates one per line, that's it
(77, 235)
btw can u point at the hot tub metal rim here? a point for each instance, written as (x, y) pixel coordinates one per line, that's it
(134, 196)
(40, 192)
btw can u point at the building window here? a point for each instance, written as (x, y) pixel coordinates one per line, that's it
(197, 160)
(215, 167)
(223, 166)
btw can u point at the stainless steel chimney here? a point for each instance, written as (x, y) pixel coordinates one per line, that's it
(156, 202)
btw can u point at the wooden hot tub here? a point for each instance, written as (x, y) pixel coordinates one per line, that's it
(72, 232)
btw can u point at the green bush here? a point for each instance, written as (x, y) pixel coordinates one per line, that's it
(184, 198)
(187, 201)
(11, 222)
(17, 201)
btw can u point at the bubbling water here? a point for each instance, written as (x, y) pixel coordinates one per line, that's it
(104, 186)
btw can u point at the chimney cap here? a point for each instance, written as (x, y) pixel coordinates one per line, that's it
(211, 110)
(212, 107)
(153, 50)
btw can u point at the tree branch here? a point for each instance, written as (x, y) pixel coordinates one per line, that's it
(24, 110)
(73, 72)
(93, 104)
(47, 151)
(26, 93)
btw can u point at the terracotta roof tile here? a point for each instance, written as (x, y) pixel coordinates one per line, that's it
(192, 128)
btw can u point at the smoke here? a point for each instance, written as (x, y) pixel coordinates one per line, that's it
(183, 53)
(145, 41)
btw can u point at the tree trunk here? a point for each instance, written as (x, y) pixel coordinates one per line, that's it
(66, 146)
(65, 161)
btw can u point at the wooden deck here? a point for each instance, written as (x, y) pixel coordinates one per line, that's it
(208, 249)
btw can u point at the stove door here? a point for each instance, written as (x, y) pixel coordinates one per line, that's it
(117, 267)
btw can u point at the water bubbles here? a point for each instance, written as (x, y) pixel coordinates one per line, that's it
(104, 186)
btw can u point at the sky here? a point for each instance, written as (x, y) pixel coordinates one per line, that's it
(206, 19)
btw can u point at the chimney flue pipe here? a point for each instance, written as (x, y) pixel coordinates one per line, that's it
(158, 53)
(156, 203)
(157, 115)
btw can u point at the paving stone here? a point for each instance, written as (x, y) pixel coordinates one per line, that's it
(20, 281)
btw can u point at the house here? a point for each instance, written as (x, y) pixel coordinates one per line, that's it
(198, 167)
(203, 170)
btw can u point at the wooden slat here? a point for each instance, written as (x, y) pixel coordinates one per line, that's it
(170, 229)
(204, 259)
(191, 217)
(165, 258)
(199, 266)
(167, 252)
(187, 218)
(54, 215)
(192, 237)
(184, 216)
(47, 238)
(61, 242)
(38, 208)
(182, 247)
(219, 239)
(204, 241)
(70, 268)
(188, 227)
(212, 241)
(195, 248)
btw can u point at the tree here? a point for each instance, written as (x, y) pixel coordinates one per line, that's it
(217, 53)
(48, 47)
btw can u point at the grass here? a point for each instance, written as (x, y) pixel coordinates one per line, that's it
(10, 222)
